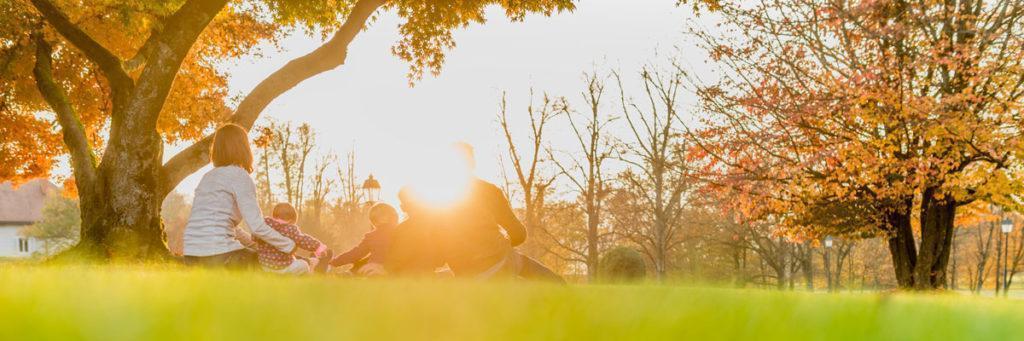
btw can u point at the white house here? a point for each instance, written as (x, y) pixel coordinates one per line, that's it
(21, 206)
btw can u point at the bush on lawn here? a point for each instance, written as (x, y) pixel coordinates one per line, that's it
(622, 264)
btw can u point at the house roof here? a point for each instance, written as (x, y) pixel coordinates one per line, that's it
(24, 203)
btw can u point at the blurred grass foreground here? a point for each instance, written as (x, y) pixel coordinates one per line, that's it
(183, 304)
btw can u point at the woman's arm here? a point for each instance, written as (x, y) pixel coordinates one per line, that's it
(245, 198)
(245, 238)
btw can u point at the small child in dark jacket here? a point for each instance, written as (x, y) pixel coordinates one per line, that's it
(373, 249)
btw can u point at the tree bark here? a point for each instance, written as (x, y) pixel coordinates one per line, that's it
(1018, 254)
(827, 263)
(593, 253)
(999, 262)
(953, 267)
(923, 267)
(807, 265)
(842, 255)
(782, 270)
(83, 160)
(901, 247)
(936, 240)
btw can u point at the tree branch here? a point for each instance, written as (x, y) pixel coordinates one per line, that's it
(139, 59)
(83, 161)
(106, 60)
(328, 56)
(165, 51)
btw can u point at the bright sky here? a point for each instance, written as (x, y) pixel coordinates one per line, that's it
(368, 101)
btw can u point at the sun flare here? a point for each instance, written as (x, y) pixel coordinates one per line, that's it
(442, 177)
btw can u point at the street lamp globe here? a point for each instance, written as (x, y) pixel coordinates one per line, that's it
(828, 241)
(1007, 225)
(372, 189)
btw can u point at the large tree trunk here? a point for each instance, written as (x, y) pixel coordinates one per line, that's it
(126, 222)
(936, 241)
(122, 220)
(121, 205)
(901, 247)
(923, 267)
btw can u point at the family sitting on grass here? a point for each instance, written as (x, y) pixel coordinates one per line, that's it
(472, 236)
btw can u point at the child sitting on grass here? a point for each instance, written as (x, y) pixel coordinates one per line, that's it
(373, 249)
(273, 260)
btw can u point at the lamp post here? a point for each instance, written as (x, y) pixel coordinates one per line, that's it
(1007, 227)
(371, 188)
(828, 265)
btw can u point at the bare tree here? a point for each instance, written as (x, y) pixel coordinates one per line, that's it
(803, 257)
(283, 149)
(834, 258)
(526, 164)
(291, 147)
(773, 251)
(350, 194)
(264, 138)
(1015, 255)
(287, 149)
(659, 175)
(562, 237)
(349, 213)
(321, 185)
(732, 240)
(306, 142)
(584, 168)
(982, 253)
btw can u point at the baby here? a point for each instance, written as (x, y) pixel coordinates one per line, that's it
(375, 244)
(273, 260)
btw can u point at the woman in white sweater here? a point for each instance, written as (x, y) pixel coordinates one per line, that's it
(226, 196)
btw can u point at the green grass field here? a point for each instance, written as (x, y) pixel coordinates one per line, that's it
(178, 304)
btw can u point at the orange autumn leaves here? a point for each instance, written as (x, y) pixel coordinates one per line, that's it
(198, 99)
(26, 148)
(829, 115)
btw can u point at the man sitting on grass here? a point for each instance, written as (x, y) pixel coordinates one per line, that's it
(481, 232)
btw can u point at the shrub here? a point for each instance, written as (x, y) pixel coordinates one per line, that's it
(622, 264)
